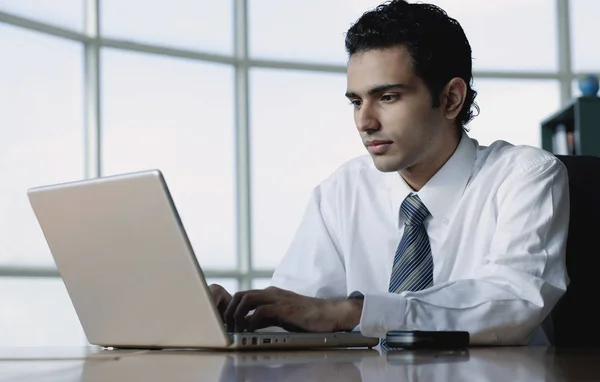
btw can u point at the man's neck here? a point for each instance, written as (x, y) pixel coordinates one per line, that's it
(418, 175)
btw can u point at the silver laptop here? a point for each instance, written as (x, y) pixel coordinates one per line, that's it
(132, 275)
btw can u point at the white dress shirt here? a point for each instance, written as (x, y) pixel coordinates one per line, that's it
(498, 229)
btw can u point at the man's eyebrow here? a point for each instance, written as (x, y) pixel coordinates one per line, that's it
(377, 89)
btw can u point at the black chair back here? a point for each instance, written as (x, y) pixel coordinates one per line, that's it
(576, 319)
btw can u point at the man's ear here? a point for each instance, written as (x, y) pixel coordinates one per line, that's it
(453, 97)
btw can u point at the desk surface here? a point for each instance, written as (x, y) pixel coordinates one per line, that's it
(475, 364)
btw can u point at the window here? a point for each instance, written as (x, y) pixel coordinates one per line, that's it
(229, 284)
(528, 42)
(64, 13)
(42, 133)
(177, 116)
(260, 283)
(584, 26)
(37, 312)
(513, 110)
(307, 31)
(196, 25)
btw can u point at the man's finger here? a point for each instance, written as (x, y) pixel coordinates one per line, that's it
(222, 303)
(219, 294)
(282, 315)
(221, 298)
(263, 316)
(231, 308)
(250, 301)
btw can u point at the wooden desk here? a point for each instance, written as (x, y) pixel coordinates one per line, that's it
(476, 364)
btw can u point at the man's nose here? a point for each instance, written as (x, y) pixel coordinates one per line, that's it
(366, 120)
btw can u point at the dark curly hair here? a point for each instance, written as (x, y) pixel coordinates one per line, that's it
(436, 42)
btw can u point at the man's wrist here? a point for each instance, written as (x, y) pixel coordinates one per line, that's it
(354, 312)
(349, 312)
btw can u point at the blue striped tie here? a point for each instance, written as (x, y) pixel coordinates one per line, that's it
(413, 264)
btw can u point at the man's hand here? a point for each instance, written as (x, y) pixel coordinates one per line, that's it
(221, 297)
(290, 311)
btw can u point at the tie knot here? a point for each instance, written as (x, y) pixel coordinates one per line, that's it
(414, 210)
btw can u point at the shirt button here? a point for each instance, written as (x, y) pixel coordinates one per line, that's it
(445, 220)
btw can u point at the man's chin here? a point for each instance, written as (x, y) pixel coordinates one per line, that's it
(385, 164)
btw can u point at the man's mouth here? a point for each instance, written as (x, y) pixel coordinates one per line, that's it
(378, 147)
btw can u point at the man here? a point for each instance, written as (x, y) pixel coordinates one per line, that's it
(431, 231)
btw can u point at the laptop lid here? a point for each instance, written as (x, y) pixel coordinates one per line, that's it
(127, 263)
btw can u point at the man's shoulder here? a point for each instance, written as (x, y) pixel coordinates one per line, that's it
(504, 157)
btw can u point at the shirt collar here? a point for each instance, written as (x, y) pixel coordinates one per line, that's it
(445, 188)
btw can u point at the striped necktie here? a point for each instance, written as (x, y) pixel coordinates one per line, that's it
(413, 264)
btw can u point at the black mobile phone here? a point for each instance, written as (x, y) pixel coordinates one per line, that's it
(419, 339)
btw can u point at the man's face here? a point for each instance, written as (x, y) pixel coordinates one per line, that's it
(392, 109)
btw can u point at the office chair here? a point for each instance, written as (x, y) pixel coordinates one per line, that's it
(573, 321)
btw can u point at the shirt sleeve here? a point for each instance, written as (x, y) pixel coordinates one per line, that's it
(519, 282)
(313, 265)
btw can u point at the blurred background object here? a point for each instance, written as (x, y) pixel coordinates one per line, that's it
(588, 85)
(574, 129)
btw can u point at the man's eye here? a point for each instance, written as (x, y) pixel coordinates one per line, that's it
(355, 102)
(389, 97)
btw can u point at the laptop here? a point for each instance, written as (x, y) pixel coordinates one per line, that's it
(132, 275)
